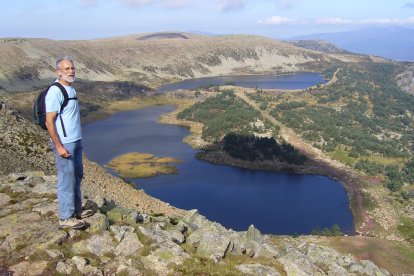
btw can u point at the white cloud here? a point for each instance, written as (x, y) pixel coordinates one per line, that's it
(231, 5)
(169, 4)
(139, 2)
(277, 20)
(333, 21)
(388, 21)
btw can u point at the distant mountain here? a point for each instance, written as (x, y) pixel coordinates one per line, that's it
(317, 45)
(396, 43)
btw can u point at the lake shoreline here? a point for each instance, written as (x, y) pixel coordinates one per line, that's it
(209, 153)
(215, 156)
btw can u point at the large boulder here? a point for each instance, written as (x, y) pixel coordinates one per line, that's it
(211, 240)
(252, 243)
(160, 260)
(368, 268)
(97, 244)
(97, 223)
(129, 245)
(296, 263)
(257, 270)
(159, 235)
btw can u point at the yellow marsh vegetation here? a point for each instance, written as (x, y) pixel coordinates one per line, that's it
(141, 165)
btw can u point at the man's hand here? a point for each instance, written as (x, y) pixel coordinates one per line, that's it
(63, 152)
(50, 124)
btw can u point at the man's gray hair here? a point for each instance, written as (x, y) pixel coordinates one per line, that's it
(62, 58)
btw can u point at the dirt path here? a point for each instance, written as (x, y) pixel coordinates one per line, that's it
(331, 167)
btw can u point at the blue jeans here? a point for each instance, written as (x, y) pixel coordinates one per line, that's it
(70, 174)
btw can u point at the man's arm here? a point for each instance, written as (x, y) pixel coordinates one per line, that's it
(51, 128)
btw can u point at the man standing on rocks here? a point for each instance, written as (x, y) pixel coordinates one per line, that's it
(63, 124)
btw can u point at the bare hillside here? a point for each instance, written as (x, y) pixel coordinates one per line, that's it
(150, 59)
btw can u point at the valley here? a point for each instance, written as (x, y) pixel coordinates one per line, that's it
(356, 128)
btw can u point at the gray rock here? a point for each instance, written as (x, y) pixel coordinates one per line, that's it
(367, 268)
(26, 268)
(73, 233)
(83, 266)
(159, 235)
(162, 258)
(44, 188)
(177, 237)
(181, 227)
(162, 225)
(100, 201)
(45, 208)
(79, 262)
(4, 200)
(321, 256)
(140, 218)
(193, 220)
(64, 268)
(128, 270)
(296, 263)
(252, 243)
(119, 231)
(336, 270)
(54, 253)
(34, 180)
(118, 214)
(254, 234)
(97, 223)
(98, 244)
(14, 177)
(160, 219)
(129, 245)
(211, 239)
(216, 258)
(257, 270)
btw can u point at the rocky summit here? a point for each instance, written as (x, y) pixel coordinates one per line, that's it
(123, 241)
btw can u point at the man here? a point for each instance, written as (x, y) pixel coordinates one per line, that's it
(66, 140)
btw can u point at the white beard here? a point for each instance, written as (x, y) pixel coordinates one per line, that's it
(68, 79)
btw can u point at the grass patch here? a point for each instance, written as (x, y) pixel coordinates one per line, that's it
(201, 266)
(15, 196)
(204, 266)
(140, 165)
(342, 156)
(407, 230)
(385, 160)
(394, 256)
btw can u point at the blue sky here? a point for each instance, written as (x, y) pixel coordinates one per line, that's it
(86, 19)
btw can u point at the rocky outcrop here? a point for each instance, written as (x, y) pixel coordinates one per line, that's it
(23, 146)
(125, 241)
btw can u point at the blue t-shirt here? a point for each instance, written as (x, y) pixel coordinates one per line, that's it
(70, 114)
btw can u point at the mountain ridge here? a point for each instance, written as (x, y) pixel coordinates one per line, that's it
(29, 63)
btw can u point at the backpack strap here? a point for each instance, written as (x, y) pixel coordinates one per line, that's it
(64, 104)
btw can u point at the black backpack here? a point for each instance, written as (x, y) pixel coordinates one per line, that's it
(39, 106)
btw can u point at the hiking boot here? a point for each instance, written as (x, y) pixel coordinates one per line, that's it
(84, 213)
(71, 223)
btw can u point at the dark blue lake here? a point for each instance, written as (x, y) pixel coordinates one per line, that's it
(276, 203)
(295, 81)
